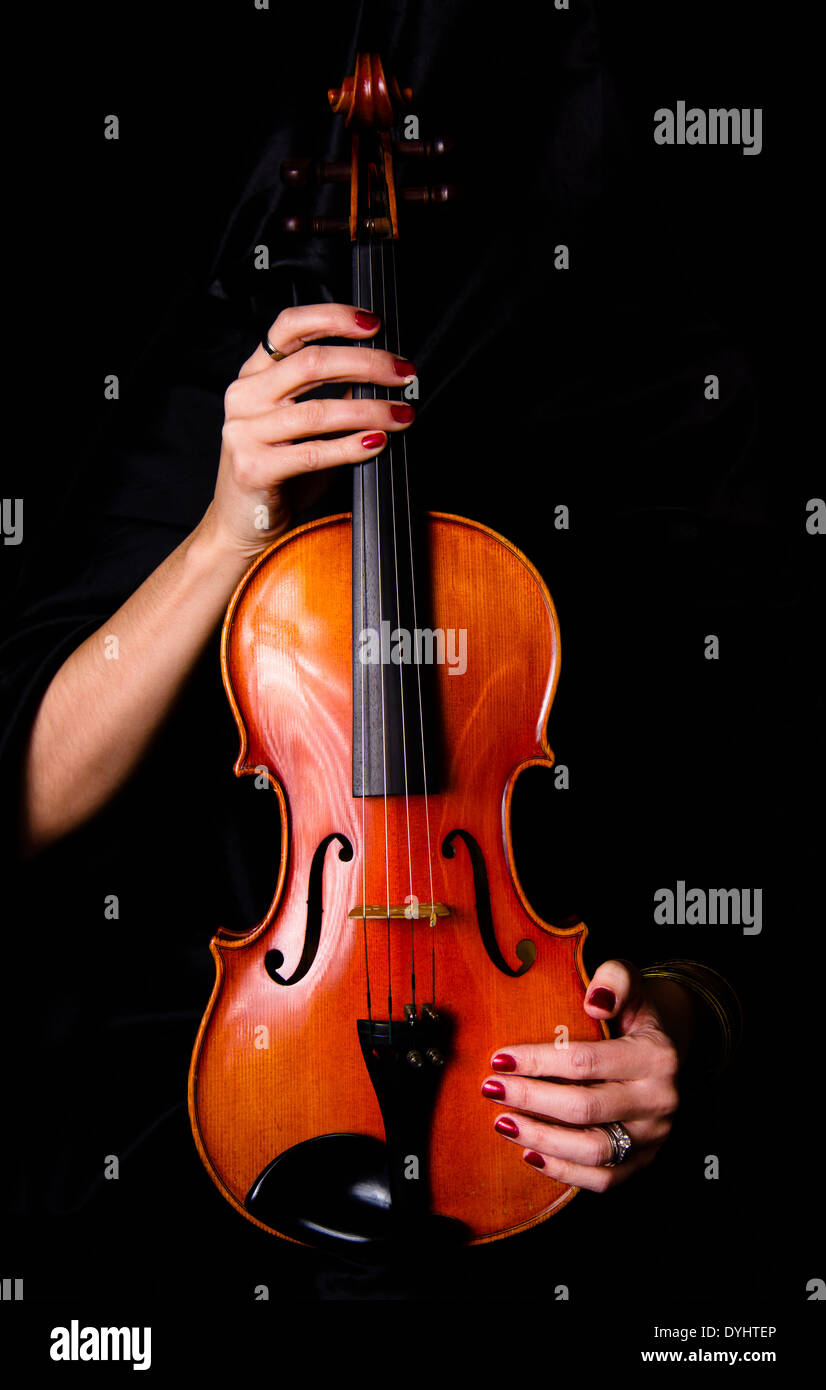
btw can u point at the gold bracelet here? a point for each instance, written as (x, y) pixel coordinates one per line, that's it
(714, 990)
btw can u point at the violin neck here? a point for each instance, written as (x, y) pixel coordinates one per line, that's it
(388, 610)
(375, 289)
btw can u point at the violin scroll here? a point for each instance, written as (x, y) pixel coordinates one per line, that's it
(367, 99)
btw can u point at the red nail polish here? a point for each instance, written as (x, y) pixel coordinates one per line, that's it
(372, 441)
(602, 999)
(494, 1089)
(403, 368)
(506, 1126)
(403, 413)
(367, 320)
(536, 1160)
(504, 1062)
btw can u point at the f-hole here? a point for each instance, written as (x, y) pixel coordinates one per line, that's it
(525, 950)
(274, 960)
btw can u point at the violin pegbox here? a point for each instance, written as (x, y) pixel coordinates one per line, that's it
(372, 106)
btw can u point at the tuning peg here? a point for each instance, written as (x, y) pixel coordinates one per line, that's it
(424, 149)
(315, 226)
(304, 172)
(445, 193)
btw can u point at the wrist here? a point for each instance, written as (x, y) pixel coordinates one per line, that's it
(212, 552)
(718, 1019)
(678, 1009)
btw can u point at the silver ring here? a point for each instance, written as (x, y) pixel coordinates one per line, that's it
(274, 353)
(620, 1143)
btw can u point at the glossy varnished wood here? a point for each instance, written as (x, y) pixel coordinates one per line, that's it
(287, 668)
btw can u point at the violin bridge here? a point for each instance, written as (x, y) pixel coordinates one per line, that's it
(410, 911)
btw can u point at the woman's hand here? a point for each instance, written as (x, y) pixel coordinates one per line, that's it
(271, 435)
(631, 1079)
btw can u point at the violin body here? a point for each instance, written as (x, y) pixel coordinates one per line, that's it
(280, 1060)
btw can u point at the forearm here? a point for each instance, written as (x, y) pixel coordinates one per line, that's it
(101, 712)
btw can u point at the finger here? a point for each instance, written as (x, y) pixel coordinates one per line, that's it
(275, 463)
(576, 1105)
(615, 984)
(302, 323)
(590, 1147)
(310, 418)
(609, 1059)
(317, 366)
(579, 1175)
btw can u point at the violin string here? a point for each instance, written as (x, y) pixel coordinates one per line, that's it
(381, 653)
(362, 588)
(391, 441)
(418, 664)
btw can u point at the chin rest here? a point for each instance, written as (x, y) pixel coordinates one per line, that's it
(334, 1191)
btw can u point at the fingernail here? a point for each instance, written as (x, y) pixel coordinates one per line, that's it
(403, 368)
(508, 1127)
(403, 413)
(536, 1160)
(504, 1062)
(602, 999)
(494, 1089)
(372, 441)
(367, 320)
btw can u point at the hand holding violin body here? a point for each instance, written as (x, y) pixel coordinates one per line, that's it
(630, 1079)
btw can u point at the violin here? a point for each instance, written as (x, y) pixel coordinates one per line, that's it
(392, 674)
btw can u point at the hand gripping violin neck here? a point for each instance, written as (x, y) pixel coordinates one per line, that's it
(335, 1082)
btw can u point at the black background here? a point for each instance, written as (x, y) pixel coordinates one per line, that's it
(682, 768)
